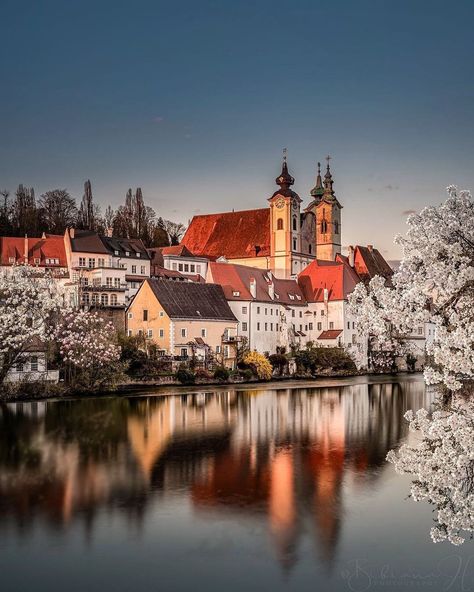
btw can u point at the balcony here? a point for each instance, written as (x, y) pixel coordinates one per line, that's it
(103, 288)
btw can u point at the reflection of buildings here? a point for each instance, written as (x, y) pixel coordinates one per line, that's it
(286, 457)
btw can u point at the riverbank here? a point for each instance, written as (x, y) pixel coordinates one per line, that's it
(141, 388)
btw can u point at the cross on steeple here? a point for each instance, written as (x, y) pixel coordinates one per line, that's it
(328, 158)
(285, 153)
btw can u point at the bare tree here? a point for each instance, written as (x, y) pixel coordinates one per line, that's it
(58, 210)
(175, 231)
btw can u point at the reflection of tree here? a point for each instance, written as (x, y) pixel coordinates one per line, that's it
(443, 466)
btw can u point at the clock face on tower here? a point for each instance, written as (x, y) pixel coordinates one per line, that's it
(280, 202)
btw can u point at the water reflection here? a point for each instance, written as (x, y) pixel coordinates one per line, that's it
(286, 458)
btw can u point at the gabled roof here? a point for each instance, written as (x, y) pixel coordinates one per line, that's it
(337, 277)
(236, 279)
(234, 235)
(369, 262)
(88, 241)
(189, 300)
(330, 334)
(48, 247)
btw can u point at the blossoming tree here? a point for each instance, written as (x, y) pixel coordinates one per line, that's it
(443, 466)
(435, 283)
(29, 305)
(87, 346)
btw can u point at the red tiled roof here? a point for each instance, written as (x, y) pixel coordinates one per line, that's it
(180, 250)
(237, 278)
(233, 235)
(369, 262)
(336, 276)
(330, 334)
(49, 247)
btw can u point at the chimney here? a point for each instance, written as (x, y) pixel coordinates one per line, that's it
(370, 247)
(25, 249)
(271, 290)
(253, 287)
(109, 232)
(351, 255)
(43, 236)
(71, 232)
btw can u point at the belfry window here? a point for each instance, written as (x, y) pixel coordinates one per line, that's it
(280, 224)
(324, 226)
(294, 244)
(294, 223)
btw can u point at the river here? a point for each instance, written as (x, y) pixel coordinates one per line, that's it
(265, 488)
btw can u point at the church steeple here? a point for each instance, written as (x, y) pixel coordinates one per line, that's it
(285, 180)
(328, 181)
(318, 189)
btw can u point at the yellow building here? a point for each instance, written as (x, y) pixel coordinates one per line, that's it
(184, 319)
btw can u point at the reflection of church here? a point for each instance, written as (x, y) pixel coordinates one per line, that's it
(285, 458)
(282, 237)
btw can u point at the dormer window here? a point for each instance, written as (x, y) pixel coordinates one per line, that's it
(127, 253)
(38, 261)
(291, 296)
(116, 252)
(235, 293)
(11, 260)
(298, 297)
(137, 254)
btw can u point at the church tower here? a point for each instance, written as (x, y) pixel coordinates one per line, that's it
(327, 210)
(285, 226)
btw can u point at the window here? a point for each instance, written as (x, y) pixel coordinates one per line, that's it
(266, 311)
(348, 324)
(129, 332)
(142, 270)
(301, 328)
(280, 224)
(162, 314)
(180, 267)
(127, 253)
(140, 332)
(320, 326)
(192, 268)
(198, 269)
(301, 314)
(145, 314)
(293, 313)
(104, 299)
(95, 298)
(134, 269)
(117, 282)
(336, 227)
(218, 349)
(324, 226)
(85, 298)
(276, 327)
(162, 332)
(149, 333)
(258, 326)
(91, 263)
(116, 252)
(420, 330)
(331, 325)
(244, 326)
(130, 315)
(271, 326)
(19, 366)
(309, 249)
(353, 325)
(235, 293)
(174, 266)
(108, 282)
(184, 352)
(101, 262)
(294, 245)
(203, 332)
(113, 299)
(258, 309)
(294, 223)
(38, 261)
(184, 332)
(354, 339)
(186, 267)
(244, 310)
(322, 312)
(310, 326)
(82, 261)
(12, 260)
(266, 326)
(138, 254)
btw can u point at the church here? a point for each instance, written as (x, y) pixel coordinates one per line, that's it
(283, 237)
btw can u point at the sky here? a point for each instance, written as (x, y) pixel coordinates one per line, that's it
(194, 102)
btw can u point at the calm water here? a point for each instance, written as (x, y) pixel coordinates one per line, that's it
(277, 489)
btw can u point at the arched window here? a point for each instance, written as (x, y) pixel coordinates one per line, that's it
(309, 249)
(294, 223)
(280, 224)
(324, 226)
(336, 227)
(294, 244)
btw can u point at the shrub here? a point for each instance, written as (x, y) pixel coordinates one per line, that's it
(332, 358)
(246, 374)
(260, 364)
(184, 375)
(203, 374)
(222, 373)
(278, 362)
